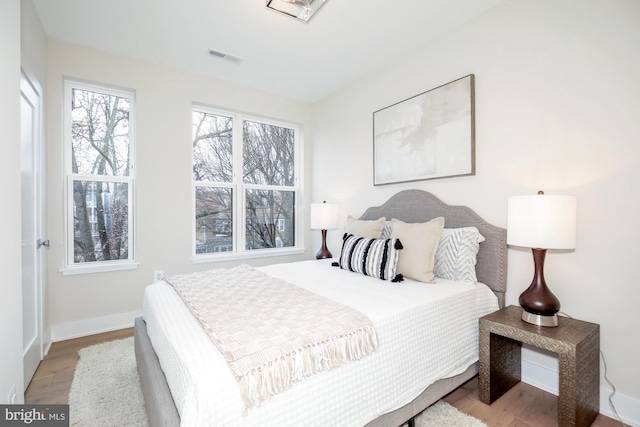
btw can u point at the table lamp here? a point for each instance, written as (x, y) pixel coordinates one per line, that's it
(541, 222)
(324, 216)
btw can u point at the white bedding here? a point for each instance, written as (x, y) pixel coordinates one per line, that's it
(426, 332)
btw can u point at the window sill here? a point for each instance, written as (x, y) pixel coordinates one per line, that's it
(99, 267)
(257, 253)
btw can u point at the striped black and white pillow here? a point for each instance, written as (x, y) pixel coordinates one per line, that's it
(371, 257)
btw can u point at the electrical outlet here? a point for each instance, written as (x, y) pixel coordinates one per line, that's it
(12, 397)
(158, 275)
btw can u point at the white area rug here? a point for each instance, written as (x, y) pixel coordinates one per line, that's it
(441, 414)
(105, 392)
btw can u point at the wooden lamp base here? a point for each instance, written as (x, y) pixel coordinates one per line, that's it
(539, 303)
(324, 252)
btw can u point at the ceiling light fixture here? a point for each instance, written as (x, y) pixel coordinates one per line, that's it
(299, 9)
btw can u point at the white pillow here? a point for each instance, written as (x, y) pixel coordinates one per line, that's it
(419, 245)
(456, 255)
(371, 229)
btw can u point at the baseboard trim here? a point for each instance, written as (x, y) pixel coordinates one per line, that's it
(97, 325)
(546, 378)
(46, 341)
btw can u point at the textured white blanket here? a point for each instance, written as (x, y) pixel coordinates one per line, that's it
(270, 332)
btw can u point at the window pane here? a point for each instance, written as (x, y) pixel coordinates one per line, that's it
(214, 220)
(212, 147)
(99, 134)
(100, 221)
(268, 154)
(270, 219)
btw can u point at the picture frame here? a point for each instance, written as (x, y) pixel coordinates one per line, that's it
(430, 135)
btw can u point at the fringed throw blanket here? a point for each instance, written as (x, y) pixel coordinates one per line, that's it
(270, 332)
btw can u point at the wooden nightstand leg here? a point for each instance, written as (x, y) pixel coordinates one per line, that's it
(505, 365)
(500, 366)
(579, 397)
(567, 389)
(484, 364)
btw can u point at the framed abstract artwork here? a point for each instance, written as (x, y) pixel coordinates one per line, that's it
(430, 135)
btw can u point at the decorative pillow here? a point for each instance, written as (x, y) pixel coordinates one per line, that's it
(364, 228)
(371, 257)
(456, 255)
(420, 243)
(386, 231)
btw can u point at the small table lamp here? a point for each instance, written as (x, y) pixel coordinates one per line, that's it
(324, 216)
(541, 222)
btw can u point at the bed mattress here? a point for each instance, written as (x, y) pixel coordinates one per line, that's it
(426, 332)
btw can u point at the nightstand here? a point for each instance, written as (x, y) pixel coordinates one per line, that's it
(577, 344)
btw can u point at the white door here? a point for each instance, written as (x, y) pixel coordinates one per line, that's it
(32, 323)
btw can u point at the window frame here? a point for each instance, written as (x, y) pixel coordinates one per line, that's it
(239, 189)
(70, 267)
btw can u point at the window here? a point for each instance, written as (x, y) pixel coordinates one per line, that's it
(99, 176)
(245, 178)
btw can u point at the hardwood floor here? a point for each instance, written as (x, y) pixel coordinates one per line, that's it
(523, 406)
(52, 380)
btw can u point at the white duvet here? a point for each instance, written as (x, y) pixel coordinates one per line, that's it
(426, 332)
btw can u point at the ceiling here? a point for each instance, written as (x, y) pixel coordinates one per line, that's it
(305, 61)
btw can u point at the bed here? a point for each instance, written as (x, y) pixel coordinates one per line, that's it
(388, 387)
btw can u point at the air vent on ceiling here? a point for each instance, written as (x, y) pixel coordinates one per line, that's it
(225, 56)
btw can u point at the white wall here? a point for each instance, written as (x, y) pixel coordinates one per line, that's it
(557, 109)
(11, 371)
(87, 303)
(33, 42)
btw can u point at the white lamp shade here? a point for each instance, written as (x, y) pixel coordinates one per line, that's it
(542, 221)
(324, 216)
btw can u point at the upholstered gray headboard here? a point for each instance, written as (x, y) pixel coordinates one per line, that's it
(422, 206)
